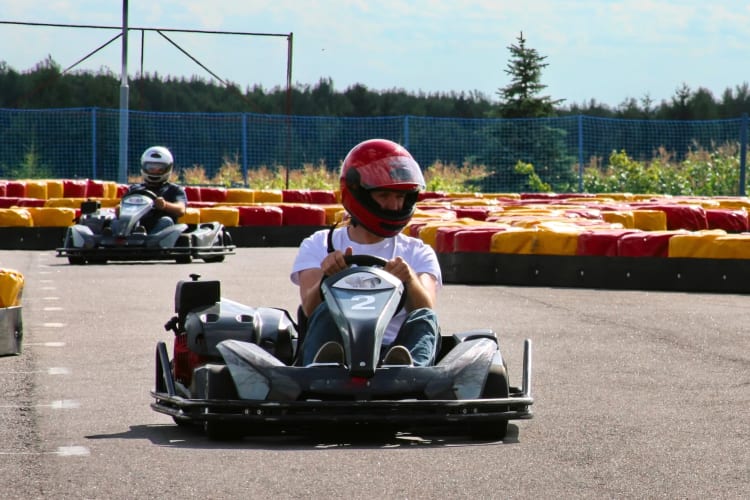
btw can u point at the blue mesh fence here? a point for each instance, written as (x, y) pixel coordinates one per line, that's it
(84, 142)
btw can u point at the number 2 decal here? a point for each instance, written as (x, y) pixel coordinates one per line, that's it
(363, 302)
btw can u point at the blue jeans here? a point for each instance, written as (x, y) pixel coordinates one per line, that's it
(419, 334)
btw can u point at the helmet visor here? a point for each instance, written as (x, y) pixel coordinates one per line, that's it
(155, 168)
(395, 172)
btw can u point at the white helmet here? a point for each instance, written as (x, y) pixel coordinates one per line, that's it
(156, 165)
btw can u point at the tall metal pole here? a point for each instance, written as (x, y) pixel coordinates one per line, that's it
(122, 174)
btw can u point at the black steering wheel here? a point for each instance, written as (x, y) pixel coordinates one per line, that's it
(365, 260)
(144, 191)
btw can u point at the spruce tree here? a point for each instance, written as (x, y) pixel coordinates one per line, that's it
(520, 98)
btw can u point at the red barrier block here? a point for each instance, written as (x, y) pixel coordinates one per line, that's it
(303, 215)
(645, 244)
(8, 201)
(30, 202)
(122, 189)
(260, 215)
(3, 188)
(476, 213)
(444, 238)
(200, 204)
(295, 196)
(95, 189)
(731, 221)
(213, 194)
(193, 193)
(15, 189)
(474, 239)
(322, 197)
(74, 188)
(690, 217)
(601, 241)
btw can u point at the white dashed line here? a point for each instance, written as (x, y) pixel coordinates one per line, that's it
(44, 344)
(63, 451)
(53, 308)
(53, 325)
(62, 404)
(49, 371)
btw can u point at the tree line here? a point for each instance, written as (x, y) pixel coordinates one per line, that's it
(47, 86)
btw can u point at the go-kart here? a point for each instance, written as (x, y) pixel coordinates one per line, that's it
(236, 369)
(103, 234)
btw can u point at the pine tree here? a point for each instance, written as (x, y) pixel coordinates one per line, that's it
(520, 98)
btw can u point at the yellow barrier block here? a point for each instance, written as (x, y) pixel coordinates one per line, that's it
(696, 244)
(731, 246)
(52, 216)
(54, 188)
(36, 189)
(734, 203)
(229, 216)
(268, 196)
(474, 202)
(240, 195)
(15, 217)
(650, 220)
(334, 213)
(110, 190)
(624, 217)
(514, 240)
(64, 202)
(192, 216)
(557, 238)
(11, 287)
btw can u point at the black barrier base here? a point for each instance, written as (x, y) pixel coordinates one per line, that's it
(627, 273)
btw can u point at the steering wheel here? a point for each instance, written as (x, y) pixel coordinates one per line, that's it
(144, 191)
(365, 260)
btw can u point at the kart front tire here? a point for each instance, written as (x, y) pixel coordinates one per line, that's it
(216, 430)
(76, 261)
(183, 259)
(215, 258)
(496, 386)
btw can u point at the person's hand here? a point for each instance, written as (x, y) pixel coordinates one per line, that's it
(400, 269)
(334, 262)
(160, 203)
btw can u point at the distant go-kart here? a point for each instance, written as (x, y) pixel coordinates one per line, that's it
(236, 369)
(101, 235)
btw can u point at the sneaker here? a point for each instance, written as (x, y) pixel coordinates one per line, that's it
(330, 352)
(398, 355)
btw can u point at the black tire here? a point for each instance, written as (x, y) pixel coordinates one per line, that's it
(77, 261)
(182, 421)
(183, 259)
(217, 430)
(214, 258)
(496, 386)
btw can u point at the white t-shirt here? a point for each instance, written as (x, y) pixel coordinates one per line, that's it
(420, 256)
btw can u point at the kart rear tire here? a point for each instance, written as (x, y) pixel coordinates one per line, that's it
(183, 259)
(76, 261)
(496, 386)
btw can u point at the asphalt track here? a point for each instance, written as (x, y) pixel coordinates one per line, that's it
(637, 395)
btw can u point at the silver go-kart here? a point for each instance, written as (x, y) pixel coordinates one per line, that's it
(236, 369)
(102, 235)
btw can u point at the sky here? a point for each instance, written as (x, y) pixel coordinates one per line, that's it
(601, 50)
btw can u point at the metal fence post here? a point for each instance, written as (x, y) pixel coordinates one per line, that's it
(244, 149)
(94, 174)
(743, 154)
(580, 153)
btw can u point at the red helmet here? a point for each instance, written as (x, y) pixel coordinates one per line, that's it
(379, 164)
